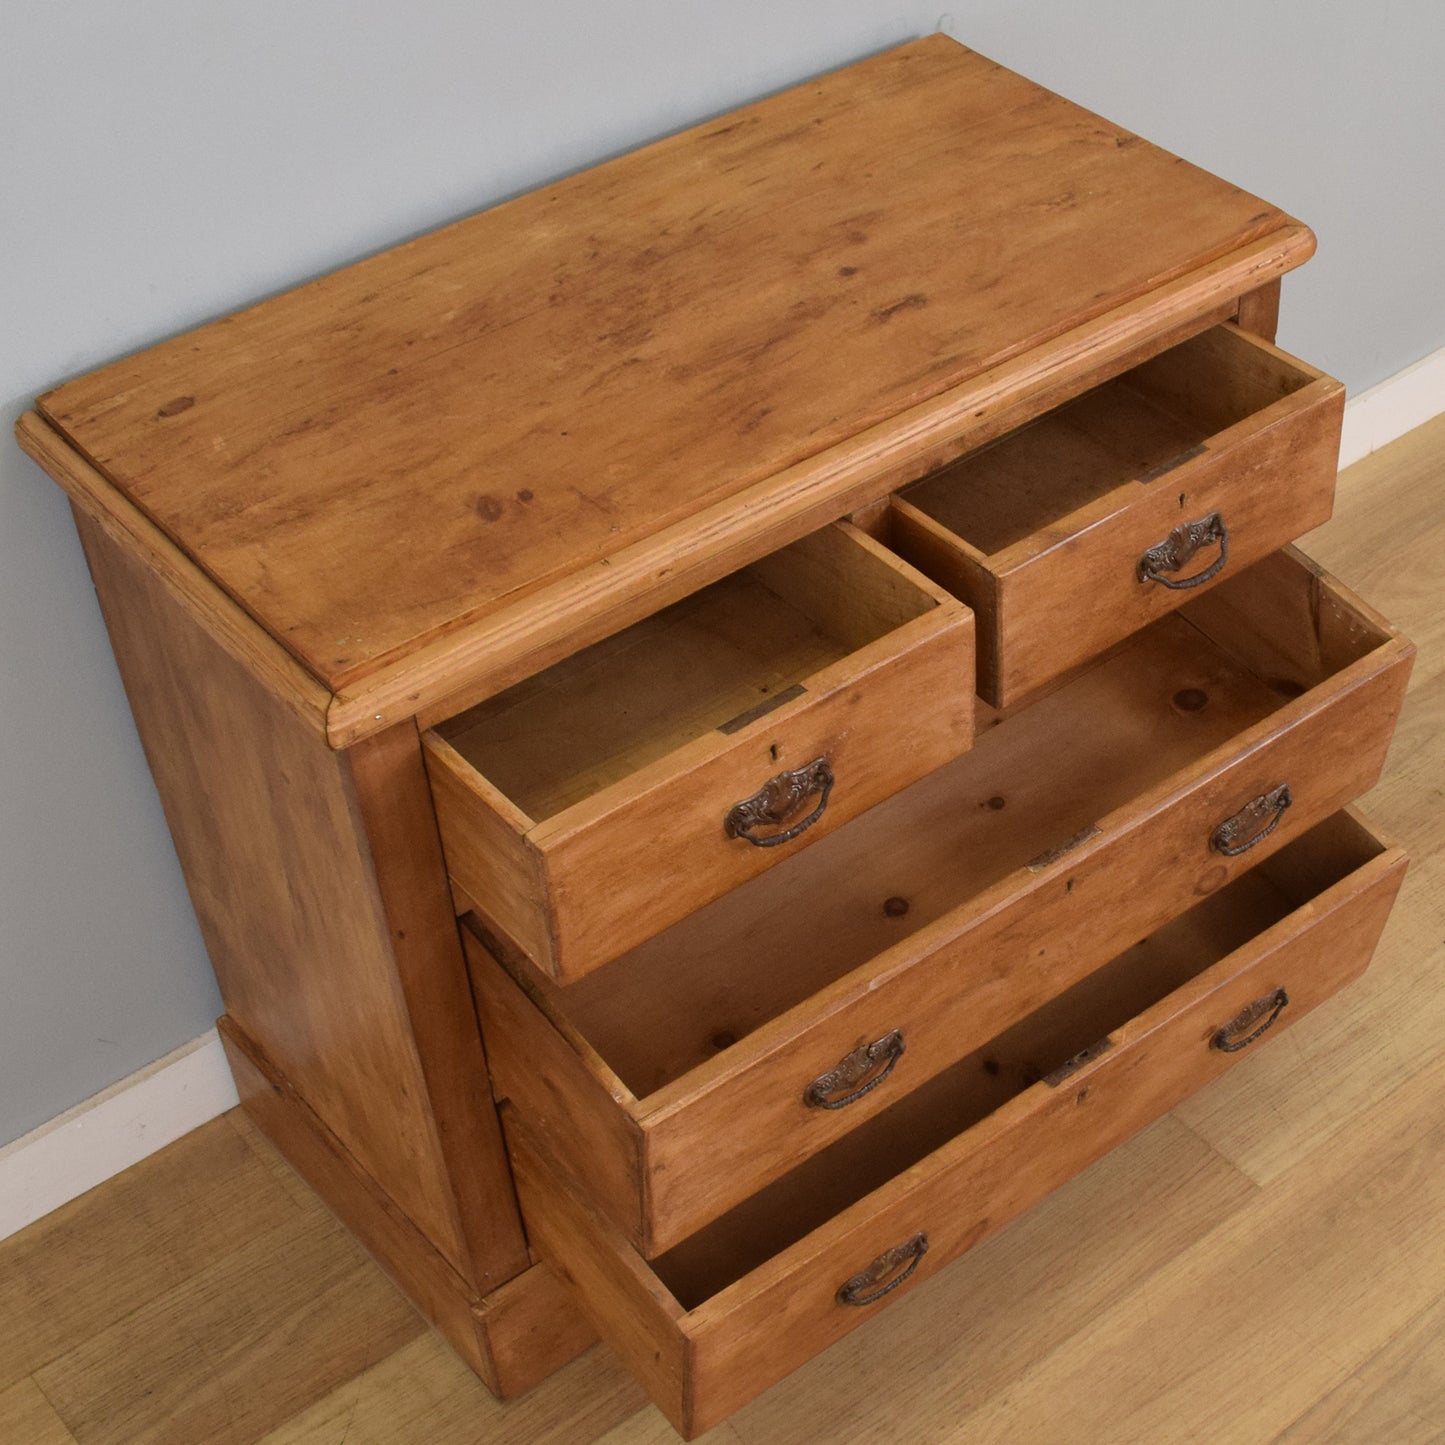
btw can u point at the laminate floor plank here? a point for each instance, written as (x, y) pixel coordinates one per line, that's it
(237, 1348)
(141, 1234)
(423, 1392)
(27, 1418)
(1240, 1334)
(1396, 1396)
(650, 1427)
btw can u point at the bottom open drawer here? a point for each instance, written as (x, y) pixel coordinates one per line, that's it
(738, 1305)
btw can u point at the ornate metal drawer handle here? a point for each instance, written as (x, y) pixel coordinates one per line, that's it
(852, 1067)
(1272, 1004)
(1179, 546)
(860, 1290)
(777, 800)
(1253, 823)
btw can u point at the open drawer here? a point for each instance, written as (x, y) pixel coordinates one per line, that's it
(710, 1060)
(590, 806)
(736, 1307)
(1075, 530)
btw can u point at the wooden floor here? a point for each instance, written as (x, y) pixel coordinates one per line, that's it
(1267, 1263)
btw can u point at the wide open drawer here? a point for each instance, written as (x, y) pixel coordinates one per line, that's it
(1098, 517)
(733, 1309)
(590, 806)
(712, 1059)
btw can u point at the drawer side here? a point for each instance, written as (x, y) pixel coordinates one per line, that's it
(547, 1078)
(622, 1298)
(487, 852)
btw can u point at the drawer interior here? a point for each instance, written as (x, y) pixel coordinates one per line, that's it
(1157, 704)
(715, 660)
(1132, 428)
(922, 1121)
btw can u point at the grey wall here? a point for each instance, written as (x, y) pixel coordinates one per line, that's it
(162, 162)
(1330, 110)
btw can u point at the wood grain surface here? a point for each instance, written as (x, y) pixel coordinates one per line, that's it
(392, 453)
(1064, 509)
(752, 1318)
(716, 1029)
(530, 1328)
(1316, 1168)
(645, 843)
(232, 629)
(334, 946)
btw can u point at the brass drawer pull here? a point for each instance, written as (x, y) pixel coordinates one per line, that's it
(1253, 823)
(777, 800)
(851, 1068)
(1179, 546)
(1272, 1004)
(860, 1289)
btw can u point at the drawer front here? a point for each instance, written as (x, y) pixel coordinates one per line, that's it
(701, 1364)
(1079, 583)
(627, 874)
(1017, 947)
(583, 885)
(665, 1165)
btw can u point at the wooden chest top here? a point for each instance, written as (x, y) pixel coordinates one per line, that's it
(390, 456)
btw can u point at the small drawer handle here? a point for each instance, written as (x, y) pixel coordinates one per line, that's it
(851, 1068)
(1253, 823)
(1179, 546)
(777, 800)
(865, 1288)
(1268, 1008)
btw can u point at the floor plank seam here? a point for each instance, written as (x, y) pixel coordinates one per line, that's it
(1351, 1372)
(1231, 1164)
(55, 1409)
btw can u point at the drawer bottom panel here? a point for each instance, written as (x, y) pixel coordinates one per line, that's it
(735, 1307)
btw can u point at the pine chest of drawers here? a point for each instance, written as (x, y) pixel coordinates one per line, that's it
(734, 721)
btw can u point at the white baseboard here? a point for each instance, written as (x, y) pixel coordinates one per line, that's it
(1398, 404)
(119, 1127)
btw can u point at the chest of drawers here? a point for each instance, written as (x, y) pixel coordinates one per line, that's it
(734, 721)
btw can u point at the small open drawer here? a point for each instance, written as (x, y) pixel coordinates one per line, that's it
(590, 806)
(733, 1309)
(712, 1059)
(1075, 530)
